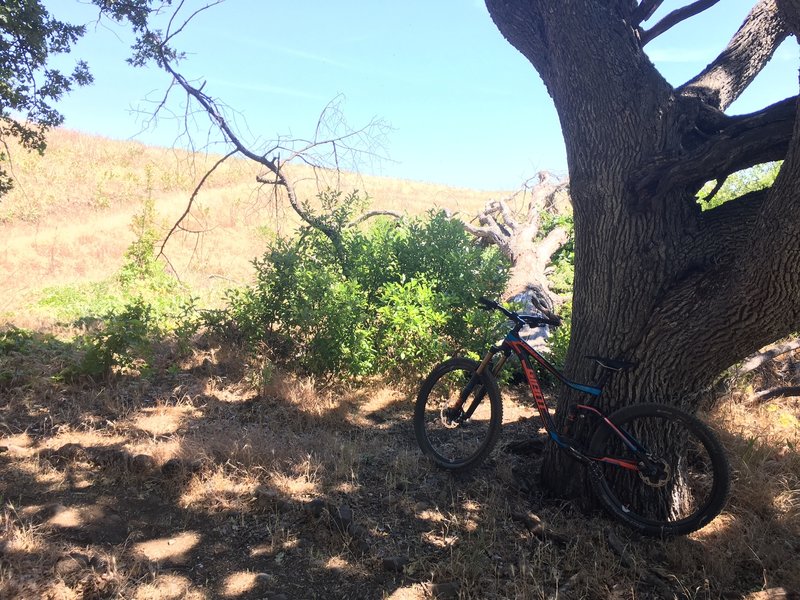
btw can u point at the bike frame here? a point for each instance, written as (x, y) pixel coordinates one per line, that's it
(514, 343)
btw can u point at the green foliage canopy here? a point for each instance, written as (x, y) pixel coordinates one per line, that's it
(30, 88)
(29, 36)
(738, 184)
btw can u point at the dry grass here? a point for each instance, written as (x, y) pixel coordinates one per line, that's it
(68, 220)
(86, 516)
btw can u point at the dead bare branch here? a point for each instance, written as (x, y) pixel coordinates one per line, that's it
(333, 141)
(770, 353)
(196, 191)
(169, 34)
(776, 392)
(520, 240)
(375, 213)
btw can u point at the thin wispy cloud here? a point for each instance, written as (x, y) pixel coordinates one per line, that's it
(317, 58)
(384, 72)
(256, 44)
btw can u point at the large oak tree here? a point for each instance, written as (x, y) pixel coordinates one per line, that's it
(684, 293)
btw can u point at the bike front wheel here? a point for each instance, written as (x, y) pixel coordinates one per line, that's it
(688, 480)
(458, 415)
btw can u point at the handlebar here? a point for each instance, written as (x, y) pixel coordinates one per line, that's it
(520, 319)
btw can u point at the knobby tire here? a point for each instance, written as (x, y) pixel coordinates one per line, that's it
(461, 447)
(695, 491)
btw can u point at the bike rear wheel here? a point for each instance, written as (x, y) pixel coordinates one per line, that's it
(443, 432)
(692, 481)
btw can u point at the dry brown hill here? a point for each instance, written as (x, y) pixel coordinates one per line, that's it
(68, 219)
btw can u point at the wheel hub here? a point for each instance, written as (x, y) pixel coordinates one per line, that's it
(657, 474)
(451, 417)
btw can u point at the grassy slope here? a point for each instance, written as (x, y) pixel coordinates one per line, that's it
(68, 219)
(267, 460)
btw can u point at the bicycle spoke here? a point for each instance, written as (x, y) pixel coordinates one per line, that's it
(443, 431)
(685, 481)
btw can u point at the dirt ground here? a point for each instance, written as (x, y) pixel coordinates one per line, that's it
(201, 483)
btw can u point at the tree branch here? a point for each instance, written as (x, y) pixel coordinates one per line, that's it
(551, 243)
(790, 9)
(521, 24)
(644, 11)
(273, 165)
(498, 214)
(742, 142)
(675, 17)
(777, 392)
(749, 50)
(192, 199)
(543, 193)
(766, 355)
(375, 213)
(492, 232)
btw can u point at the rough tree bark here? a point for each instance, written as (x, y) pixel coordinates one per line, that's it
(517, 237)
(683, 293)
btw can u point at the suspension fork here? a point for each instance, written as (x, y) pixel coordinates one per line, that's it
(474, 381)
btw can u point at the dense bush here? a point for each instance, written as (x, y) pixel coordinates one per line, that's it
(394, 296)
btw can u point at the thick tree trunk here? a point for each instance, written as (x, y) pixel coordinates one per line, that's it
(683, 293)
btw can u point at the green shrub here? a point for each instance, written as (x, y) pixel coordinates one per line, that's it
(558, 342)
(397, 295)
(127, 315)
(408, 318)
(123, 341)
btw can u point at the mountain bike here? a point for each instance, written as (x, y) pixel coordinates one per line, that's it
(654, 467)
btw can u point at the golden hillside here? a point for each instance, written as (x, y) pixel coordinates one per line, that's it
(68, 219)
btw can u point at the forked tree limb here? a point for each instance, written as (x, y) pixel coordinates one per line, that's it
(544, 193)
(491, 232)
(519, 240)
(192, 198)
(743, 142)
(675, 17)
(748, 51)
(273, 165)
(644, 11)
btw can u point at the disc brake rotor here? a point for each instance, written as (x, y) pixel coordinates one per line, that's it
(659, 479)
(445, 414)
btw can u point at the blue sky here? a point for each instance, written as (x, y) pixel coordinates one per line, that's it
(464, 107)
